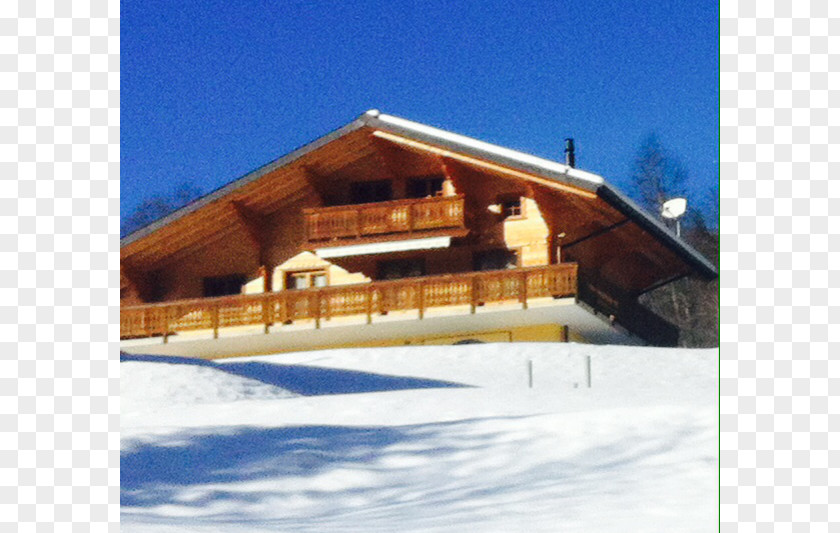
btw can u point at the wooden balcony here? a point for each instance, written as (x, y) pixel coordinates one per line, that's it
(471, 289)
(419, 217)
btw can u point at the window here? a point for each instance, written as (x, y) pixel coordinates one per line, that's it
(402, 268)
(424, 187)
(365, 192)
(306, 280)
(224, 285)
(495, 260)
(511, 206)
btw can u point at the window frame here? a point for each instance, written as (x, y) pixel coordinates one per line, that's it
(518, 199)
(309, 275)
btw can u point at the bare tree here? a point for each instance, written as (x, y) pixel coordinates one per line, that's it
(690, 304)
(657, 176)
(158, 206)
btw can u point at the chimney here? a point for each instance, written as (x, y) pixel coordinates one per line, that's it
(570, 152)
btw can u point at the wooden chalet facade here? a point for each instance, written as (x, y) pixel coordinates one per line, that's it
(389, 232)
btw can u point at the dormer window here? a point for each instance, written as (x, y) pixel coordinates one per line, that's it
(511, 206)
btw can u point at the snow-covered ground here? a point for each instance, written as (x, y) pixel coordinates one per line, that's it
(484, 437)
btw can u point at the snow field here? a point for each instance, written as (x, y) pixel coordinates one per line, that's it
(636, 452)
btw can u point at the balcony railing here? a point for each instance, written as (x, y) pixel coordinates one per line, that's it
(367, 299)
(384, 218)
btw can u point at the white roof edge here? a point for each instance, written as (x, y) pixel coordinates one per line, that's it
(490, 149)
(384, 247)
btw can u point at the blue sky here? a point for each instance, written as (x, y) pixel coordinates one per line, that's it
(213, 89)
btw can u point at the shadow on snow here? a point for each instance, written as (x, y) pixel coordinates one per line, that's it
(153, 474)
(156, 474)
(206, 468)
(305, 380)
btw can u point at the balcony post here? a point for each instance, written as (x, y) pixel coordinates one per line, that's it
(214, 317)
(473, 294)
(146, 329)
(420, 298)
(166, 316)
(410, 218)
(266, 310)
(327, 304)
(284, 307)
(369, 304)
(523, 290)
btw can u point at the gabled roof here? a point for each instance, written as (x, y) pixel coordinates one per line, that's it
(451, 143)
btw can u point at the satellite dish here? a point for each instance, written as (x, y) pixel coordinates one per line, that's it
(674, 208)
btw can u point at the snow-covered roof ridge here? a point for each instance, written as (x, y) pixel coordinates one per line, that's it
(376, 119)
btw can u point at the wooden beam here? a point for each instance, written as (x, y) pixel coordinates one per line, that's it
(315, 181)
(598, 233)
(165, 249)
(169, 260)
(137, 279)
(410, 143)
(253, 222)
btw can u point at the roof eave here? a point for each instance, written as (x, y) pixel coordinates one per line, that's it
(628, 207)
(244, 180)
(469, 146)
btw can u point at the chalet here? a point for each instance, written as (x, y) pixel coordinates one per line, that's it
(389, 232)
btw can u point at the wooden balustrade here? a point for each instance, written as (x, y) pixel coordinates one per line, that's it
(471, 289)
(384, 218)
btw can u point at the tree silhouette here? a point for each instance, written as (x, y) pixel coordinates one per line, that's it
(657, 176)
(690, 304)
(158, 206)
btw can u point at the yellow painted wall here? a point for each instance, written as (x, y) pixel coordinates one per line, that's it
(255, 286)
(489, 336)
(540, 333)
(529, 234)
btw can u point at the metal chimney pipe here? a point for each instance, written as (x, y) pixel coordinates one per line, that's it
(570, 152)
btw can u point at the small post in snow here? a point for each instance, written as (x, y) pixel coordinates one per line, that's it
(588, 371)
(530, 374)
